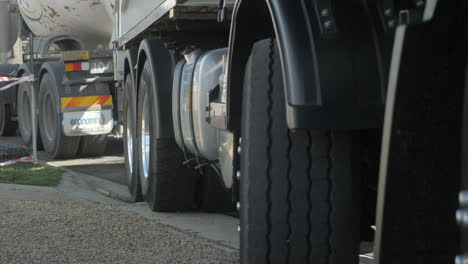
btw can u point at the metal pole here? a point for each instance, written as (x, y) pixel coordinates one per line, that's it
(33, 97)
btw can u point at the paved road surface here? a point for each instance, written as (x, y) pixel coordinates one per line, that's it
(111, 167)
(74, 224)
(67, 232)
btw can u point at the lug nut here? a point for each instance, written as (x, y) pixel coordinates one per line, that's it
(328, 24)
(463, 198)
(462, 217)
(238, 206)
(388, 12)
(239, 149)
(461, 259)
(238, 228)
(324, 12)
(238, 175)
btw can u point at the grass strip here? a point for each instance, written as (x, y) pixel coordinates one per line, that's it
(31, 174)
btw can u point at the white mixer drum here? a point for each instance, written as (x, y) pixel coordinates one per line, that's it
(89, 20)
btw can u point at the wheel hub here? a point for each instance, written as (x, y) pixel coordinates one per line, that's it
(50, 120)
(129, 141)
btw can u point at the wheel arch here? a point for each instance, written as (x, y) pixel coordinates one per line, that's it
(314, 99)
(8, 70)
(56, 69)
(26, 69)
(22, 70)
(130, 62)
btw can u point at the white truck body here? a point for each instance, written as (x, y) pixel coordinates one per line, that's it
(134, 17)
(89, 21)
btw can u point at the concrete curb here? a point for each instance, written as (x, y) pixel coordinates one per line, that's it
(82, 186)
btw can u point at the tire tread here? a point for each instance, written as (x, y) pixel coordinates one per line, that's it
(63, 147)
(9, 126)
(298, 181)
(171, 185)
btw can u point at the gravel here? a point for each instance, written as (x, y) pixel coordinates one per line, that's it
(71, 232)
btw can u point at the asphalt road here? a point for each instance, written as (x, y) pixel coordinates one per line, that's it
(70, 232)
(75, 223)
(71, 223)
(111, 167)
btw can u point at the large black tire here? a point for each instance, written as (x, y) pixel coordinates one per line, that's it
(24, 115)
(212, 194)
(7, 126)
(130, 139)
(299, 201)
(91, 146)
(168, 184)
(56, 144)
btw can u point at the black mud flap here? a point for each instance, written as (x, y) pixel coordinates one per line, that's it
(418, 190)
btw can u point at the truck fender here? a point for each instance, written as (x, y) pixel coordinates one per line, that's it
(7, 70)
(24, 70)
(334, 75)
(56, 70)
(162, 63)
(130, 63)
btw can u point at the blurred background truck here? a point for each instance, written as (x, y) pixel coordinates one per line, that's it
(325, 123)
(65, 44)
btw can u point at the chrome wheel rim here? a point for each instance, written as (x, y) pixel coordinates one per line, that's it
(145, 145)
(50, 122)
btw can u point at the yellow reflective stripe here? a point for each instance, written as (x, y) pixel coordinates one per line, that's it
(75, 55)
(65, 101)
(84, 101)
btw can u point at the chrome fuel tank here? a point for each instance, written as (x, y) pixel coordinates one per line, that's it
(192, 82)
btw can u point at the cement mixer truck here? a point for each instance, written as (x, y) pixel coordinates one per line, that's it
(322, 122)
(65, 45)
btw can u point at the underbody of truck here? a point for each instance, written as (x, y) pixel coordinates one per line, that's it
(324, 123)
(296, 116)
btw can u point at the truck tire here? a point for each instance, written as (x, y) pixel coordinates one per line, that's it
(298, 201)
(24, 115)
(56, 144)
(130, 139)
(212, 194)
(166, 184)
(91, 146)
(7, 126)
